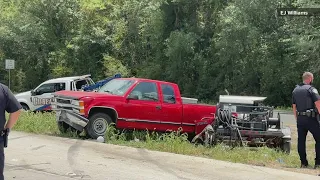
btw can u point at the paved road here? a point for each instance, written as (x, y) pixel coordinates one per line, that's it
(39, 157)
(286, 117)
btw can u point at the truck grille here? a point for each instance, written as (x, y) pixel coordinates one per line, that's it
(62, 103)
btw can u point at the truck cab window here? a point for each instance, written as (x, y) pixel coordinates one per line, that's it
(45, 88)
(117, 86)
(146, 91)
(80, 84)
(50, 88)
(60, 86)
(168, 93)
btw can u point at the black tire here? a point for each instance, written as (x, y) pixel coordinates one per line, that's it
(208, 139)
(98, 124)
(25, 107)
(286, 147)
(63, 127)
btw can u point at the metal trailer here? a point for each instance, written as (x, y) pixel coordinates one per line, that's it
(253, 125)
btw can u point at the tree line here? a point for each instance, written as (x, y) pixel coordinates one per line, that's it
(205, 46)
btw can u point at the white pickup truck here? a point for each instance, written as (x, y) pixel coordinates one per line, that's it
(39, 99)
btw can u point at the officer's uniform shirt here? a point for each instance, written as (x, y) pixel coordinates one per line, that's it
(7, 103)
(304, 96)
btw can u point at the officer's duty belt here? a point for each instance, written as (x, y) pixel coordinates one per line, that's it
(307, 113)
(2, 133)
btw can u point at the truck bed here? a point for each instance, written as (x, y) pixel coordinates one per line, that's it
(186, 100)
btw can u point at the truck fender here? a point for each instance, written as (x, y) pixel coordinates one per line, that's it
(202, 123)
(24, 102)
(105, 109)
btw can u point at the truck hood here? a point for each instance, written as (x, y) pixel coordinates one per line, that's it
(81, 94)
(23, 94)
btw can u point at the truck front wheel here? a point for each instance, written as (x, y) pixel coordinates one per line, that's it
(25, 107)
(286, 147)
(98, 124)
(63, 127)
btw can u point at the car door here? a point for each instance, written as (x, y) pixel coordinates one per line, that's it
(42, 96)
(144, 111)
(171, 110)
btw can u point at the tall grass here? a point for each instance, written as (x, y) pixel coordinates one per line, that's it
(39, 123)
(174, 142)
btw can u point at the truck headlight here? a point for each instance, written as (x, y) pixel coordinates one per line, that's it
(78, 106)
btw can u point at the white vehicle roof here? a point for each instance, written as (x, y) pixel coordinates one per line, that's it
(240, 99)
(66, 79)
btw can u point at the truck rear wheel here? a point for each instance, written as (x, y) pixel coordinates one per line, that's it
(98, 124)
(286, 147)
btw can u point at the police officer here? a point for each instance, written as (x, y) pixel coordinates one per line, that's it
(306, 106)
(9, 104)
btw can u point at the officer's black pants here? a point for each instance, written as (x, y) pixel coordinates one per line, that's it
(1, 158)
(305, 124)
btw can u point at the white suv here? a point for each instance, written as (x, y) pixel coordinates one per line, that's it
(39, 99)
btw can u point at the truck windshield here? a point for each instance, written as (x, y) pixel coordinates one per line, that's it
(117, 86)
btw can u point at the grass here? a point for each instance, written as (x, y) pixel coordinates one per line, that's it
(284, 108)
(174, 142)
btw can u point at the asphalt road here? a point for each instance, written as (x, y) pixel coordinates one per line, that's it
(286, 117)
(35, 157)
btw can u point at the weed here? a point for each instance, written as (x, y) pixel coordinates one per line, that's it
(174, 142)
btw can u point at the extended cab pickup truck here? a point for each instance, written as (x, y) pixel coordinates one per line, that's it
(131, 103)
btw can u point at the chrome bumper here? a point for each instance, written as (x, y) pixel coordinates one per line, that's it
(74, 120)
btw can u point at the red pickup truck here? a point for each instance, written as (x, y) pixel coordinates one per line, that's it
(131, 103)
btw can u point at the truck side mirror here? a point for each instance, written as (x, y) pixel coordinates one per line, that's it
(132, 96)
(36, 92)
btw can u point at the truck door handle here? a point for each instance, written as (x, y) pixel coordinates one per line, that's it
(158, 107)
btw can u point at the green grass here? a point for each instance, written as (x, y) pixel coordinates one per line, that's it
(40, 123)
(174, 142)
(284, 108)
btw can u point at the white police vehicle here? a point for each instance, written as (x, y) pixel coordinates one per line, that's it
(40, 98)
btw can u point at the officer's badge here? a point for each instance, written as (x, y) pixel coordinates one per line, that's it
(315, 91)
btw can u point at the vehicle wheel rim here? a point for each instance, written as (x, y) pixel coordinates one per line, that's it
(100, 126)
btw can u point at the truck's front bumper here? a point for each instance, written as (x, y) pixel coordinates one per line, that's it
(74, 120)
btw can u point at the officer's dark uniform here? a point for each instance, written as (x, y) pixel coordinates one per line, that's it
(304, 97)
(10, 104)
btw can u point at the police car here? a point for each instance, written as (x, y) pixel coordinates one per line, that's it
(40, 98)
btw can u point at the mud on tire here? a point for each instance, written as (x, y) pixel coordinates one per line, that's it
(97, 125)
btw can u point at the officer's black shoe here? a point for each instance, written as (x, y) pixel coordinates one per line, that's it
(304, 164)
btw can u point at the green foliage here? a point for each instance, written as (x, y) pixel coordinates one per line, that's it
(205, 46)
(114, 66)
